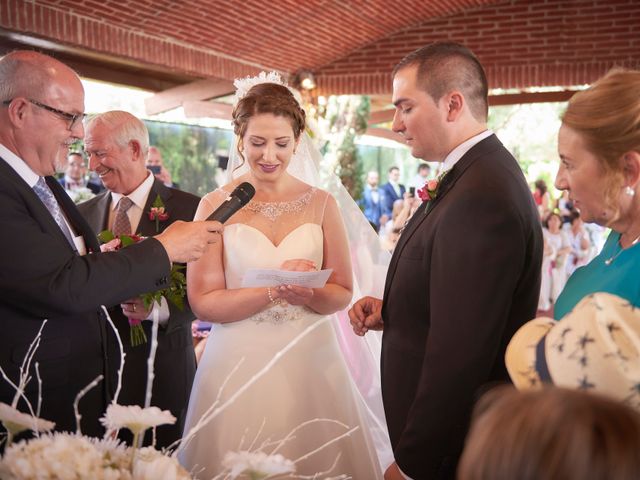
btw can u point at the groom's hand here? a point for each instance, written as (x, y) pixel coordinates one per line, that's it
(393, 473)
(365, 315)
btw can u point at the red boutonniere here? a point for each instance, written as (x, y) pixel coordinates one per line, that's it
(174, 293)
(430, 190)
(158, 213)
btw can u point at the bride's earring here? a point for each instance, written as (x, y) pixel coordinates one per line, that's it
(629, 191)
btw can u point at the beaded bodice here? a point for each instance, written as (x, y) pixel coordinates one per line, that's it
(276, 219)
(273, 210)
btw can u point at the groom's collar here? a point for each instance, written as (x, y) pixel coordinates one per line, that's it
(458, 152)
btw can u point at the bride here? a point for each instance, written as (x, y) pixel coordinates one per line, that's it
(288, 225)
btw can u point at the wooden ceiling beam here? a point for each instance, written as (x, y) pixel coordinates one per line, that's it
(384, 116)
(530, 97)
(202, 109)
(177, 96)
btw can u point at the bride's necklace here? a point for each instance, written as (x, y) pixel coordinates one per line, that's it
(272, 210)
(610, 260)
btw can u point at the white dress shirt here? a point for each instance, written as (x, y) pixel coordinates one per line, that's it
(139, 198)
(31, 177)
(458, 152)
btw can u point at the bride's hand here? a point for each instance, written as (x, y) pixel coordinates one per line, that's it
(293, 294)
(299, 265)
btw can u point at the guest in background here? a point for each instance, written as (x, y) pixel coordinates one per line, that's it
(117, 144)
(421, 176)
(551, 434)
(392, 191)
(372, 200)
(564, 206)
(558, 240)
(52, 267)
(581, 248)
(389, 232)
(599, 148)
(75, 175)
(156, 165)
(74, 180)
(542, 198)
(544, 300)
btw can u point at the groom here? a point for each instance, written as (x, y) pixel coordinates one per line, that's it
(465, 273)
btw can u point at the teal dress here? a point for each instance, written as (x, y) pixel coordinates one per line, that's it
(621, 277)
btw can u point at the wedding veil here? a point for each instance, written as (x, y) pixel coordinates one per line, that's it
(369, 261)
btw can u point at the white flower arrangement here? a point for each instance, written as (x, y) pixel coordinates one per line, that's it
(135, 418)
(71, 456)
(150, 464)
(15, 421)
(67, 456)
(61, 456)
(256, 465)
(79, 195)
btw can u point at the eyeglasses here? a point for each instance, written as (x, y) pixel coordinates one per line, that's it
(72, 118)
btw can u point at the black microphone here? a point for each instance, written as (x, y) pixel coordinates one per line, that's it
(238, 199)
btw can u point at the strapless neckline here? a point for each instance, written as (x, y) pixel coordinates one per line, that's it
(267, 239)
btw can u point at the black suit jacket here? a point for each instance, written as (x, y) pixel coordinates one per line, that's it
(464, 276)
(42, 277)
(389, 197)
(175, 363)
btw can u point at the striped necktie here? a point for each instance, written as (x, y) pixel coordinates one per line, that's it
(46, 195)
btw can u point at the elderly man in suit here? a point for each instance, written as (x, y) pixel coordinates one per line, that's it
(52, 267)
(117, 144)
(465, 274)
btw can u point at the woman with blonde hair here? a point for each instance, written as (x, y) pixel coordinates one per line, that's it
(599, 148)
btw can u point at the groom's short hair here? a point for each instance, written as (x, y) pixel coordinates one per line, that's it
(447, 66)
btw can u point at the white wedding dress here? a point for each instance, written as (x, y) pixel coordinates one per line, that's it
(310, 381)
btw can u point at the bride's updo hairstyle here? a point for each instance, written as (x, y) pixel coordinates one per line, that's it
(268, 98)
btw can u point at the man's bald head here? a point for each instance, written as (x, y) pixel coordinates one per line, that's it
(25, 73)
(41, 110)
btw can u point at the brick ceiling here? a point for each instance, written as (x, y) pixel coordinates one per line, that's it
(351, 46)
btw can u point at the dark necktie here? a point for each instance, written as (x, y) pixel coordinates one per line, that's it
(46, 195)
(121, 224)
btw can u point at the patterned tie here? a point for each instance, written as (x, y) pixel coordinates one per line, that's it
(121, 224)
(46, 195)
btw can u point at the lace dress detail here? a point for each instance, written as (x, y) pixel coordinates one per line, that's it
(309, 381)
(272, 210)
(279, 314)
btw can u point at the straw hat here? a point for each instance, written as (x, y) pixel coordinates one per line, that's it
(596, 347)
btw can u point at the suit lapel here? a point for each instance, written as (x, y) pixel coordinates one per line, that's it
(447, 184)
(76, 220)
(96, 211)
(147, 227)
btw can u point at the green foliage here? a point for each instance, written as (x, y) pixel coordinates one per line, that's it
(347, 118)
(530, 133)
(190, 153)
